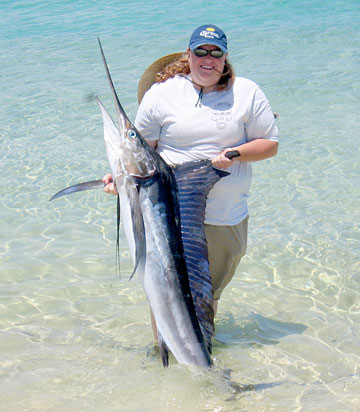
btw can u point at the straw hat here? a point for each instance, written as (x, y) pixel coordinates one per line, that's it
(149, 76)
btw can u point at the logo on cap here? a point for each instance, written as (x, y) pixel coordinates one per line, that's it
(209, 33)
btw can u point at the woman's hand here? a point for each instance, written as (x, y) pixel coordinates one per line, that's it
(258, 149)
(110, 185)
(221, 161)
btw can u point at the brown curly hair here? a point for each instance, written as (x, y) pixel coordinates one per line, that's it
(181, 66)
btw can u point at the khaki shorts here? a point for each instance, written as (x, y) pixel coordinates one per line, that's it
(226, 246)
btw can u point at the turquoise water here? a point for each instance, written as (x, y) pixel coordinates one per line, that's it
(75, 336)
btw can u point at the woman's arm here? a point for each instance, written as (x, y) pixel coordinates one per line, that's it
(258, 149)
(261, 134)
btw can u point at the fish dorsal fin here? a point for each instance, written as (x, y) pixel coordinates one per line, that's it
(194, 181)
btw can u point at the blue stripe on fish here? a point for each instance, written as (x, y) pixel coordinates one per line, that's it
(194, 181)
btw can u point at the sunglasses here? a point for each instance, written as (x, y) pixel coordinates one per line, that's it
(213, 53)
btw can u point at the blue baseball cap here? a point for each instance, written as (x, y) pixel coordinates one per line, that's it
(208, 34)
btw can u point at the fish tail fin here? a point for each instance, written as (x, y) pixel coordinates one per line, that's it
(164, 351)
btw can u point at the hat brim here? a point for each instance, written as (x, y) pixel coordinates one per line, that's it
(208, 41)
(149, 76)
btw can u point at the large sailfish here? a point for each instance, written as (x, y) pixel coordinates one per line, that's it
(163, 212)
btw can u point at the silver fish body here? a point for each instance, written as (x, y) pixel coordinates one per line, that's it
(163, 212)
(148, 194)
(165, 277)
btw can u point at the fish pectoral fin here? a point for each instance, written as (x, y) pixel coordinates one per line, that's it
(138, 258)
(79, 187)
(164, 351)
(137, 226)
(118, 208)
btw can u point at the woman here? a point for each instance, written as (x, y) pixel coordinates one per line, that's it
(198, 109)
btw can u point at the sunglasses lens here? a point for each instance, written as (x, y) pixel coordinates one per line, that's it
(216, 53)
(213, 53)
(200, 52)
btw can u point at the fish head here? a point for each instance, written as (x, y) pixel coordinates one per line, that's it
(137, 159)
(127, 151)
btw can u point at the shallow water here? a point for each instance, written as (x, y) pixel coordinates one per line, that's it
(74, 336)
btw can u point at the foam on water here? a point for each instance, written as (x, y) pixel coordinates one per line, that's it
(76, 336)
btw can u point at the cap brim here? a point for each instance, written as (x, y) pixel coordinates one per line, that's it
(205, 42)
(149, 76)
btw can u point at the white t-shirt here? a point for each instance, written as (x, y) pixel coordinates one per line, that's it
(187, 131)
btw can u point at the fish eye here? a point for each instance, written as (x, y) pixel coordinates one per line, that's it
(132, 134)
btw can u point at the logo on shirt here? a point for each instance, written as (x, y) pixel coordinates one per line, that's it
(222, 115)
(221, 118)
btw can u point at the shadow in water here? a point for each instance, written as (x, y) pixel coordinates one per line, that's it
(255, 330)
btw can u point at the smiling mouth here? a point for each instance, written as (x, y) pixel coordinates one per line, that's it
(207, 67)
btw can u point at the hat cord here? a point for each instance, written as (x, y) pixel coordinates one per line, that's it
(201, 93)
(199, 100)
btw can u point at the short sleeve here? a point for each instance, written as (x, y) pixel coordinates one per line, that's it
(147, 120)
(261, 122)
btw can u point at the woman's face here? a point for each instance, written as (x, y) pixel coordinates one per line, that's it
(206, 71)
